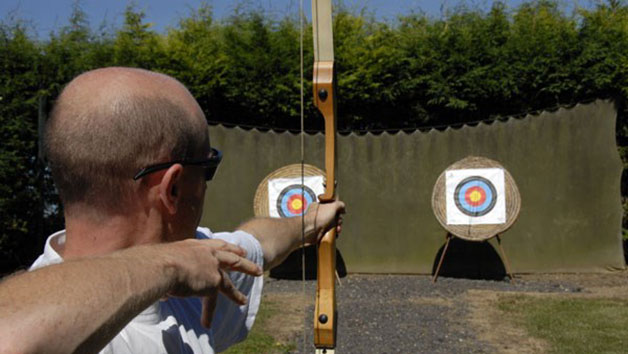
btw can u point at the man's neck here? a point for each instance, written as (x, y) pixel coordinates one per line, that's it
(87, 235)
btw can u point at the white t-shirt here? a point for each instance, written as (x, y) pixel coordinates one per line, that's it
(173, 326)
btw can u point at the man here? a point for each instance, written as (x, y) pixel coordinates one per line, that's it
(130, 156)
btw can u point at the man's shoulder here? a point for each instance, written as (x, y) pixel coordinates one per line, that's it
(50, 256)
(203, 233)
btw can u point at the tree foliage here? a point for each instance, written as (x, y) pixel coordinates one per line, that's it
(244, 70)
(19, 192)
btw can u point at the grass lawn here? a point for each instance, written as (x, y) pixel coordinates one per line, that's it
(259, 340)
(571, 325)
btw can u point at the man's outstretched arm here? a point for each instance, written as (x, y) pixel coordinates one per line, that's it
(279, 237)
(80, 305)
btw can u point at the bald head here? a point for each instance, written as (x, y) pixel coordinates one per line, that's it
(104, 89)
(109, 123)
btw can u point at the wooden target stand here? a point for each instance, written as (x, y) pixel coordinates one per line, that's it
(476, 232)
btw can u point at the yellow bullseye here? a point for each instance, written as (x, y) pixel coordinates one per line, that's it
(297, 204)
(475, 196)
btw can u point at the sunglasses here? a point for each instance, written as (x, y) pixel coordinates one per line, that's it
(210, 165)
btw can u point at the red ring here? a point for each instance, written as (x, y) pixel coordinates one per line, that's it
(467, 196)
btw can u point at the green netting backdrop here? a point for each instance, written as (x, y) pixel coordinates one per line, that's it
(565, 164)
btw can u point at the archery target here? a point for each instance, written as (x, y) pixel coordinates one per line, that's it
(287, 198)
(475, 196)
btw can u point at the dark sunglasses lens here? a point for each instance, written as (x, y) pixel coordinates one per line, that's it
(209, 172)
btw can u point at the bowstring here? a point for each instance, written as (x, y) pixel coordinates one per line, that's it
(302, 135)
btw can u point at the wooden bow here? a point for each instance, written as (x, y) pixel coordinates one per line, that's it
(324, 100)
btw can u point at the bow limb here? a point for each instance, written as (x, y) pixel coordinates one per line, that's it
(324, 100)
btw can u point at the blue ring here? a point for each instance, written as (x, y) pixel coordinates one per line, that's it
(475, 181)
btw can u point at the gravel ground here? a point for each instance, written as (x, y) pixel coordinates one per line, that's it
(410, 314)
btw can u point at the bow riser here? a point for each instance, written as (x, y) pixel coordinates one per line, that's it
(325, 311)
(324, 99)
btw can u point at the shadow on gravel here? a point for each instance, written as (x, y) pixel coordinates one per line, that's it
(291, 267)
(626, 251)
(470, 260)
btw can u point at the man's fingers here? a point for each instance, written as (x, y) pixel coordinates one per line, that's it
(227, 288)
(209, 305)
(338, 226)
(209, 302)
(227, 247)
(341, 207)
(230, 261)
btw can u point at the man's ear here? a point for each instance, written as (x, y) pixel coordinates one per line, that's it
(169, 187)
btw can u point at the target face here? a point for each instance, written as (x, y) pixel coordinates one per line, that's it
(287, 197)
(294, 200)
(475, 196)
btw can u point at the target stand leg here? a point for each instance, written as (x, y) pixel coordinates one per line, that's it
(503, 255)
(442, 257)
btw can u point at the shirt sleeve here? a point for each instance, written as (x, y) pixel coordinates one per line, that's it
(232, 322)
